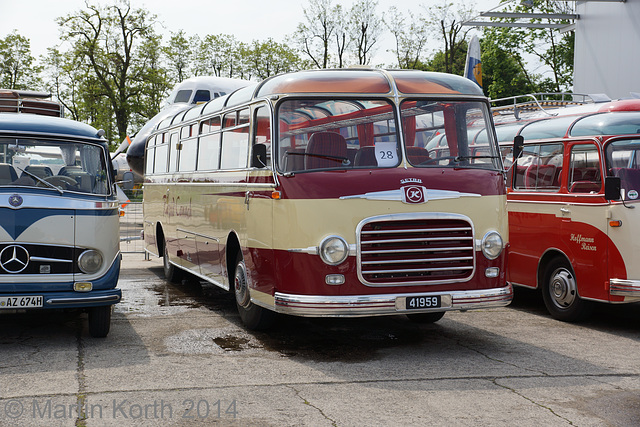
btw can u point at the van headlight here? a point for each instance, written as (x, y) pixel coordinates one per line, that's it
(90, 261)
(333, 250)
(492, 245)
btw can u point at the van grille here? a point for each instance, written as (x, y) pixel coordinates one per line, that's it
(402, 250)
(28, 258)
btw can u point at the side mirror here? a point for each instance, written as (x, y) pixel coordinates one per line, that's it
(127, 180)
(518, 145)
(612, 185)
(259, 156)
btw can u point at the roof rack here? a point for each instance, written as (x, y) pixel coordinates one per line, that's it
(29, 102)
(540, 102)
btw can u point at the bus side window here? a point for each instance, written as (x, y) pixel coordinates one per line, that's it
(235, 141)
(584, 170)
(262, 135)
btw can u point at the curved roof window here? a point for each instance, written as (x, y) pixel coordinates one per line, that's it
(549, 128)
(619, 123)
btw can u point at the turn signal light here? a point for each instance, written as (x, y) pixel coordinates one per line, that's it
(616, 223)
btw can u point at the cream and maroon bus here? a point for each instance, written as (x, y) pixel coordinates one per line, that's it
(574, 189)
(314, 194)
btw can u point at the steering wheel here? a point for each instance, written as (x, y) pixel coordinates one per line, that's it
(59, 181)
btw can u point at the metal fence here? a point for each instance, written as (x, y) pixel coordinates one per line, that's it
(131, 223)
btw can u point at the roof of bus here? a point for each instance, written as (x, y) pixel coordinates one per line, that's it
(336, 81)
(611, 118)
(35, 124)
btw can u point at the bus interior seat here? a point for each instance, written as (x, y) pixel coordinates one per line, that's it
(585, 187)
(330, 144)
(540, 176)
(365, 156)
(7, 174)
(417, 155)
(41, 171)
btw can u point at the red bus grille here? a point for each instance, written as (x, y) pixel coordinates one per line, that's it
(416, 250)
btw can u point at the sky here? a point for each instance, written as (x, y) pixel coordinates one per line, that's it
(253, 20)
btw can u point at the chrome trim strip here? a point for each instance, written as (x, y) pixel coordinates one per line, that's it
(198, 234)
(624, 288)
(387, 304)
(86, 300)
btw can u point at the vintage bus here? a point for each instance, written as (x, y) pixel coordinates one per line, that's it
(313, 194)
(572, 197)
(59, 229)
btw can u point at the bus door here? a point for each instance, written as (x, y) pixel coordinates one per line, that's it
(584, 220)
(623, 160)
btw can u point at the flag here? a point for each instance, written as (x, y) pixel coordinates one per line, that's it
(473, 65)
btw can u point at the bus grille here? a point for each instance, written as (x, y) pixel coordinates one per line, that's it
(415, 250)
(29, 258)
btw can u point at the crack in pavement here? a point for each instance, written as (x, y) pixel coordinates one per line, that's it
(306, 402)
(81, 395)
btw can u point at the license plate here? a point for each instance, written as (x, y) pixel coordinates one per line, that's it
(21, 302)
(421, 302)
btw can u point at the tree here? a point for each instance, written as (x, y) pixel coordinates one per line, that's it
(447, 22)
(178, 53)
(110, 39)
(316, 34)
(17, 67)
(269, 58)
(441, 62)
(551, 48)
(410, 34)
(365, 29)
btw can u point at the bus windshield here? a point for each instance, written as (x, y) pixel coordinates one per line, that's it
(448, 133)
(56, 165)
(336, 134)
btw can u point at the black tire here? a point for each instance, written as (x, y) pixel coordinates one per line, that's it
(560, 293)
(253, 317)
(100, 321)
(426, 317)
(171, 272)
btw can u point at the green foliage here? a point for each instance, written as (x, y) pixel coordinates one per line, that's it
(17, 67)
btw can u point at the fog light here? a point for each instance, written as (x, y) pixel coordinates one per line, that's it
(82, 286)
(492, 272)
(90, 261)
(334, 279)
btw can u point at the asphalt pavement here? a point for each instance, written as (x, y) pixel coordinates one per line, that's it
(178, 355)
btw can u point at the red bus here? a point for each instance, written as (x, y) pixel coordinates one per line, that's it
(313, 194)
(573, 192)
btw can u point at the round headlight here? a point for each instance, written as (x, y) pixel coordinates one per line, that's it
(492, 245)
(333, 250)
(90, 261)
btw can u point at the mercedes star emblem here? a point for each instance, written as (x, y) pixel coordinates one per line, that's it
(14, 259)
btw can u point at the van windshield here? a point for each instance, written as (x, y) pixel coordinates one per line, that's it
(56, 165)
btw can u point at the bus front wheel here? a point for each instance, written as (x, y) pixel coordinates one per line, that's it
(560, 293)
(253, 316)
(99, 321)
(171, 272)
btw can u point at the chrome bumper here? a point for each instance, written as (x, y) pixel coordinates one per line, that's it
(378, 305)
(624, 288)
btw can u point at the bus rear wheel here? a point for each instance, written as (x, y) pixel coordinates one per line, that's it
(171, 272)
(252, 316)
(100, 321)
(560, 293)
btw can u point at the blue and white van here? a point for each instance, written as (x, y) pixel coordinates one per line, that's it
(59, 228)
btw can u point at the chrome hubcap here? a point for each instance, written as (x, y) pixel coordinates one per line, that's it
(563, 288)
(240, 286)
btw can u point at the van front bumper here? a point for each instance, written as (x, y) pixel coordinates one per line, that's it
(388, 304)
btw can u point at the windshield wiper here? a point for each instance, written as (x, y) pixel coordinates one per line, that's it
(460, 158)
(47, 183)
